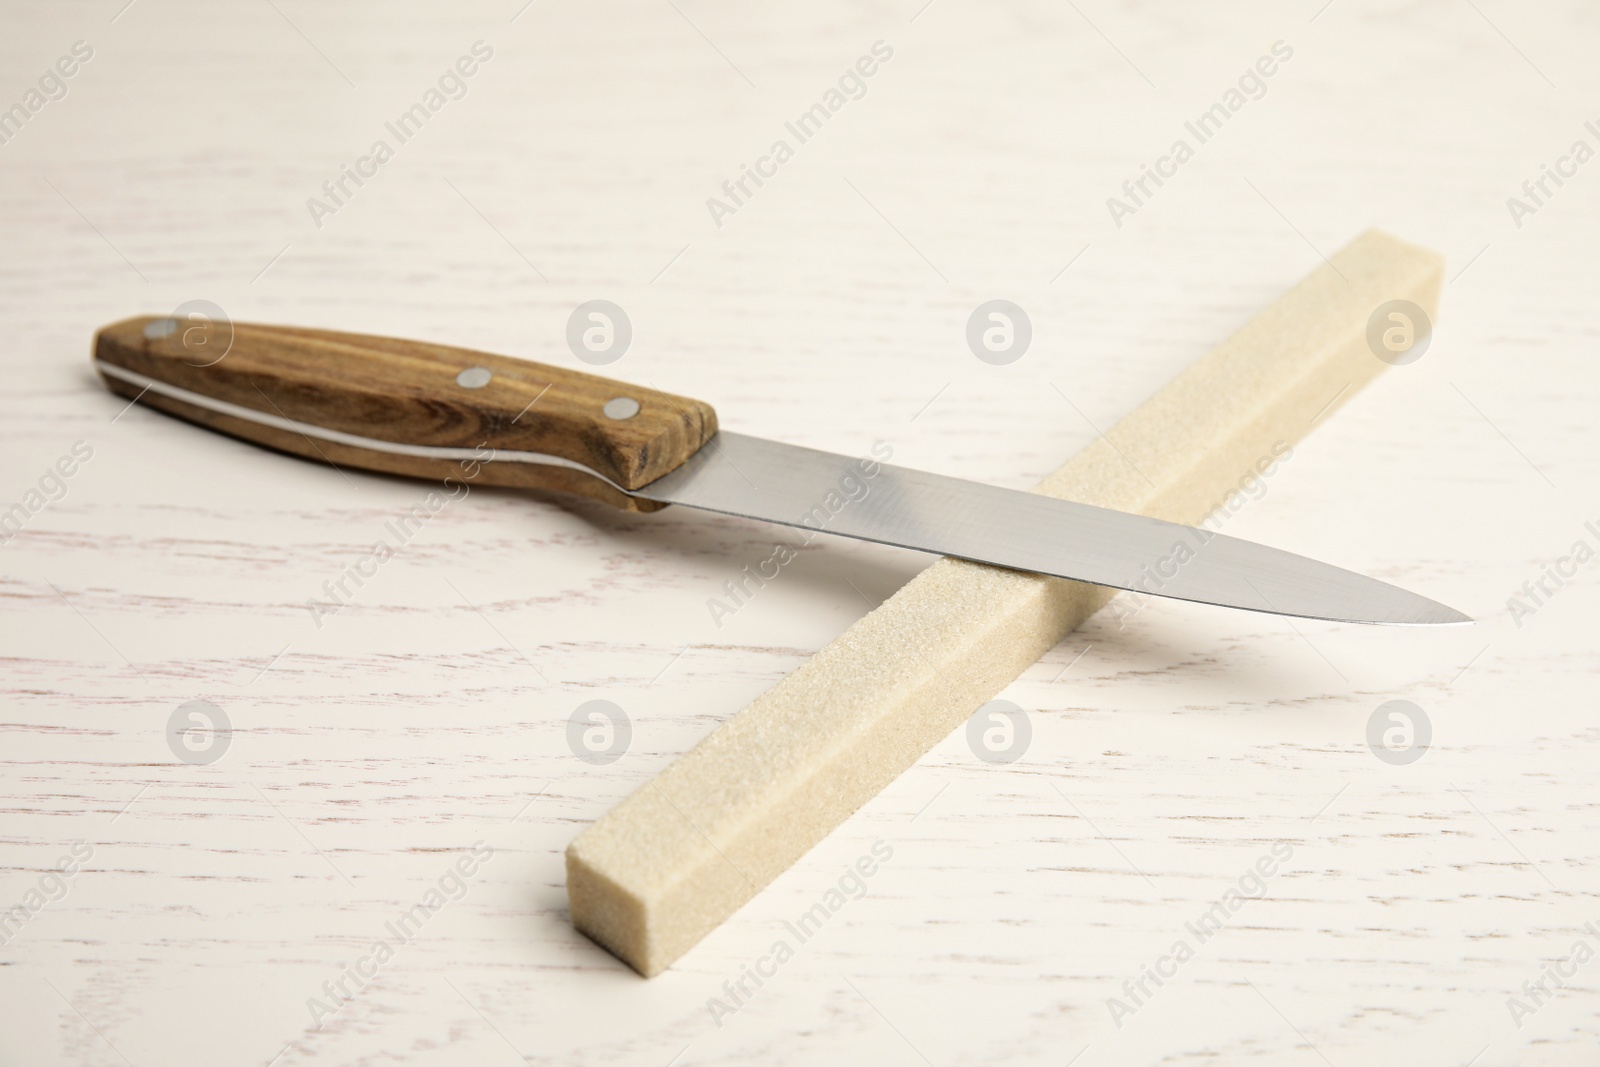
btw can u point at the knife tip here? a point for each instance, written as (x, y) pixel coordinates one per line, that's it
(1437, 614)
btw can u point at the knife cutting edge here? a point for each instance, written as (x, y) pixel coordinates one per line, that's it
(409, 407)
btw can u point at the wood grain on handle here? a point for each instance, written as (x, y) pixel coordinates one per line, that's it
(357, 397)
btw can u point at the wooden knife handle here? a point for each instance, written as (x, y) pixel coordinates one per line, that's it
(406, 407)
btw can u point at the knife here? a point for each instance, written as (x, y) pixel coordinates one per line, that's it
(440, 412)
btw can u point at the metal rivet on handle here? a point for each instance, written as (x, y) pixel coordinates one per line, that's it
(621, 407)
(474, 378)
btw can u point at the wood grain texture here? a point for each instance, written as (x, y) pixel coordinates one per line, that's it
(1170, 749)
(408, 393)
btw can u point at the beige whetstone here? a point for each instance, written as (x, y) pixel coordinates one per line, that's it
(677, 857)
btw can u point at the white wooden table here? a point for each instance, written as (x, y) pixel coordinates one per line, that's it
(368, 755)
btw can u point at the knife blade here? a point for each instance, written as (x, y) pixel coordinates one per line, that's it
(759, 479)
(412, 408)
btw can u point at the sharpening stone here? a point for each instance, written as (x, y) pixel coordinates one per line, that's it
(664, 867)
